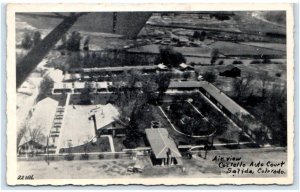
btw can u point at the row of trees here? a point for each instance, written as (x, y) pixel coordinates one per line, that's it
(120, 57)
(268, 104)
(30, 39)
(199, 35)
(31, 135)
(73, 42)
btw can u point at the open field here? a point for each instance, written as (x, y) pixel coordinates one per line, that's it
(275, 46)
(237, 49)
(246, 21)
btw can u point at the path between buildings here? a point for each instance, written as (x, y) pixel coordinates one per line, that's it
(111, 142)
(62, 125)
(231, 121)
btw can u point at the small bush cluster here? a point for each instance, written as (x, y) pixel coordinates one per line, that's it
(235, 62)
(69, 157)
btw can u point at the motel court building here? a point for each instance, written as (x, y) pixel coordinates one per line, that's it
(164, 151)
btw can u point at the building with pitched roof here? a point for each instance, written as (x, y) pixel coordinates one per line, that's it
(163, 148)
(39, 126)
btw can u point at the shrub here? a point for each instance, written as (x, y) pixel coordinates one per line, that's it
(235, 62)
(69, 157)
(221, 62)
(84, 157)
(266, 60)
(192, 64)
(214, 55)
(101, 156)
(255, 62)
(278, 74)
(209, 76)
(49, 158)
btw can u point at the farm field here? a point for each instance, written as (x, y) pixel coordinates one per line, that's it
(274, 46)
(236, 49)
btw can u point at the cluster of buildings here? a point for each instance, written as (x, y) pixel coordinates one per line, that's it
(60, 118)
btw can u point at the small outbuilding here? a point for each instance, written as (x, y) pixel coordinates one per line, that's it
(163, 148)
(184, 67)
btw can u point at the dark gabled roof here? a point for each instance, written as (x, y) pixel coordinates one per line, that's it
(223, 99)
(184, 84)
(216, 93)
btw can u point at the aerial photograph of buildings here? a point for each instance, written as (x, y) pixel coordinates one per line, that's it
(151, 94)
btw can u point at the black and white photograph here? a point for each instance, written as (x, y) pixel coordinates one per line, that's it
(109, 95)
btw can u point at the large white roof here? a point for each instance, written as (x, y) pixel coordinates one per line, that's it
(42, 118)
(105, 114)
(161, 143)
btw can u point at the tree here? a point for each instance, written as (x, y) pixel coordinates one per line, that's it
(37, 135)
(242, 86)
(36, 37)
(45, 88)
(209, 76)
(186, 75)
(214, 55)
(273, 113)
(196, 35)
(200, 36)
(169, 57)
(63, 43)
(149, 88)
(21, 133)
(266, 59)
(73, 43)
(85, 96)
(163, 80)
(264, 80)
(26, 41)
(86, 43)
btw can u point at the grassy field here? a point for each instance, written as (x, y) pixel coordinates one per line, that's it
(275, 46)
(236, 49)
